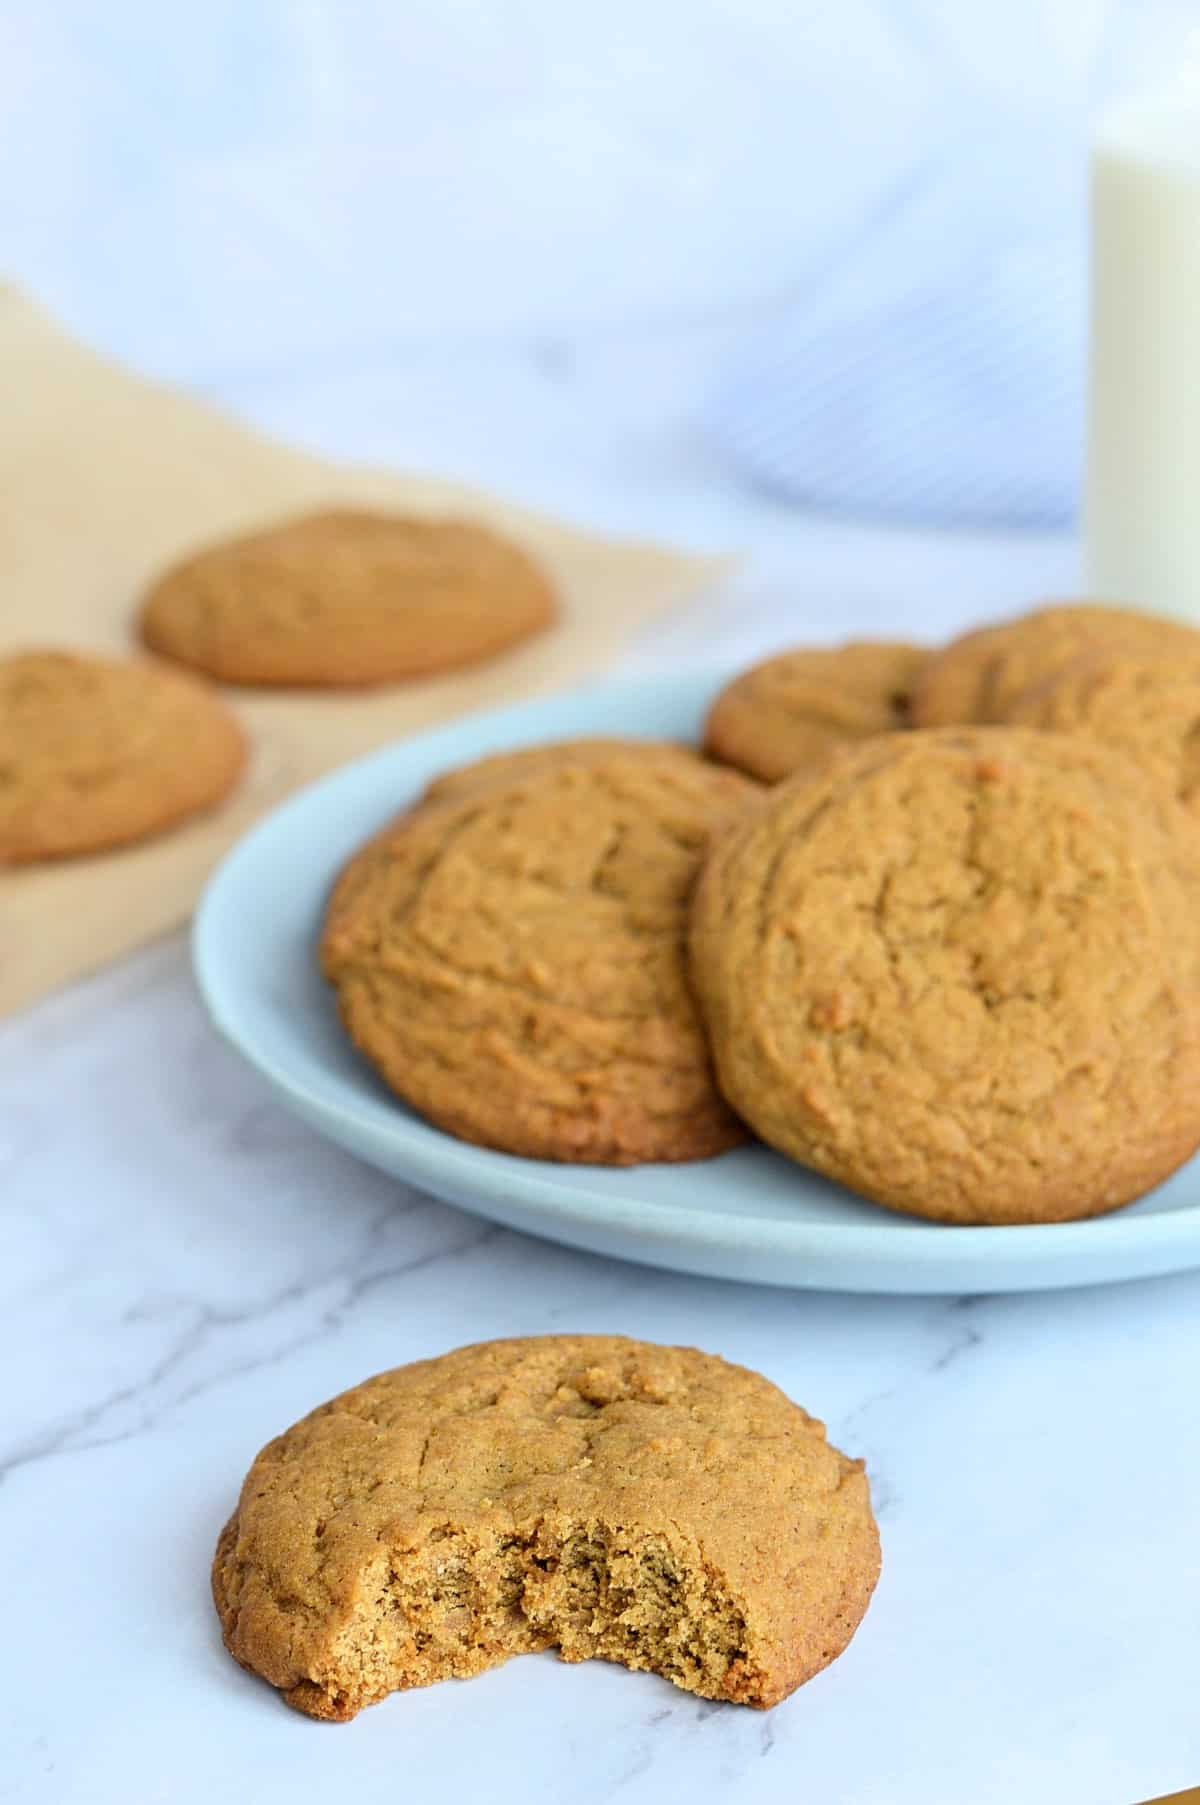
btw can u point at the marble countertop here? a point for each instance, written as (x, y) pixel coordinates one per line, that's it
(187, 1270)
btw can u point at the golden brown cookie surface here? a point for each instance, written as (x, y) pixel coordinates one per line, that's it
(522, 760)
(347, 597)
(1147, 708)
(513, 962)
(957, 971)
(650, 1505)
(978, 677)
(790, 710)
(97, 752)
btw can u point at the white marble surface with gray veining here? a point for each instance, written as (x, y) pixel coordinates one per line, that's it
(186, 1270)
(528, 273)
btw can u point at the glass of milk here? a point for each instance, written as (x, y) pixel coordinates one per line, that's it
(1142, 507)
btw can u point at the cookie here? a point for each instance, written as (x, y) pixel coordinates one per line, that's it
(347, 597)
(1146, 708)
(978, 677)
(512, 963)
(603, 1497)
(96, 752)
(521, 760)
(789, 711)
(959, 972)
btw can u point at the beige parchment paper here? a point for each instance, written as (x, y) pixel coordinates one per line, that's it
(106, 477)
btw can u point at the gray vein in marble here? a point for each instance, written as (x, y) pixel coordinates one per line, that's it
(967, 1338)
(639, 1761)
(963, 1337)
(73, 1435)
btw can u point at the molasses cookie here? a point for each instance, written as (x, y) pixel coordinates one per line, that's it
(347, 597)
(959, 972)
(1148, 708)
(521, 760)
(513, 962)
(97, 752)
(607, 1498)
(789, 711)
(978, 677)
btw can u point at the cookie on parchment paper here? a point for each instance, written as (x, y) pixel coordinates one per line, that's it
(98, 752)
(346, 597)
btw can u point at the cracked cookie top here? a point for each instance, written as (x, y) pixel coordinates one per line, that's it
(97, 752)
(521, 761)
(957, 971)
(512, 962)
(653, 1505)
(1148, 708)
(978, 676)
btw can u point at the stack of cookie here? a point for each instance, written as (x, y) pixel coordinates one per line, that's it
(96, 753)
(922, 921)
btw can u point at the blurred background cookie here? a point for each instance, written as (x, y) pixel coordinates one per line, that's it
(96, 752)
(347, 597)
(513, 963)
(978, 677)
(1148, 708)
(791, 709)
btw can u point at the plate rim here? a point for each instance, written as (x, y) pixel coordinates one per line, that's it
(496, 1178)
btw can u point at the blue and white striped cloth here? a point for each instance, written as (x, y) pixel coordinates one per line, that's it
(940, 378)
(935, 372)
(269, 185)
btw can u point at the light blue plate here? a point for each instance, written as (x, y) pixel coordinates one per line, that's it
(748, 1215)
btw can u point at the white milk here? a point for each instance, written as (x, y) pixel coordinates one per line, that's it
(1142, 509)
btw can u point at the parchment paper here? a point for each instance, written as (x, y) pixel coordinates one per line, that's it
(104, 478)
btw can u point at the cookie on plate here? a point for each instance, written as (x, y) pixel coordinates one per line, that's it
(513, 962)
(959, 972)
(521, 760)
(789, 711)
(977, 678)
(97, 752)
(1148, 708)
(347, 597)
(604, 1497)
